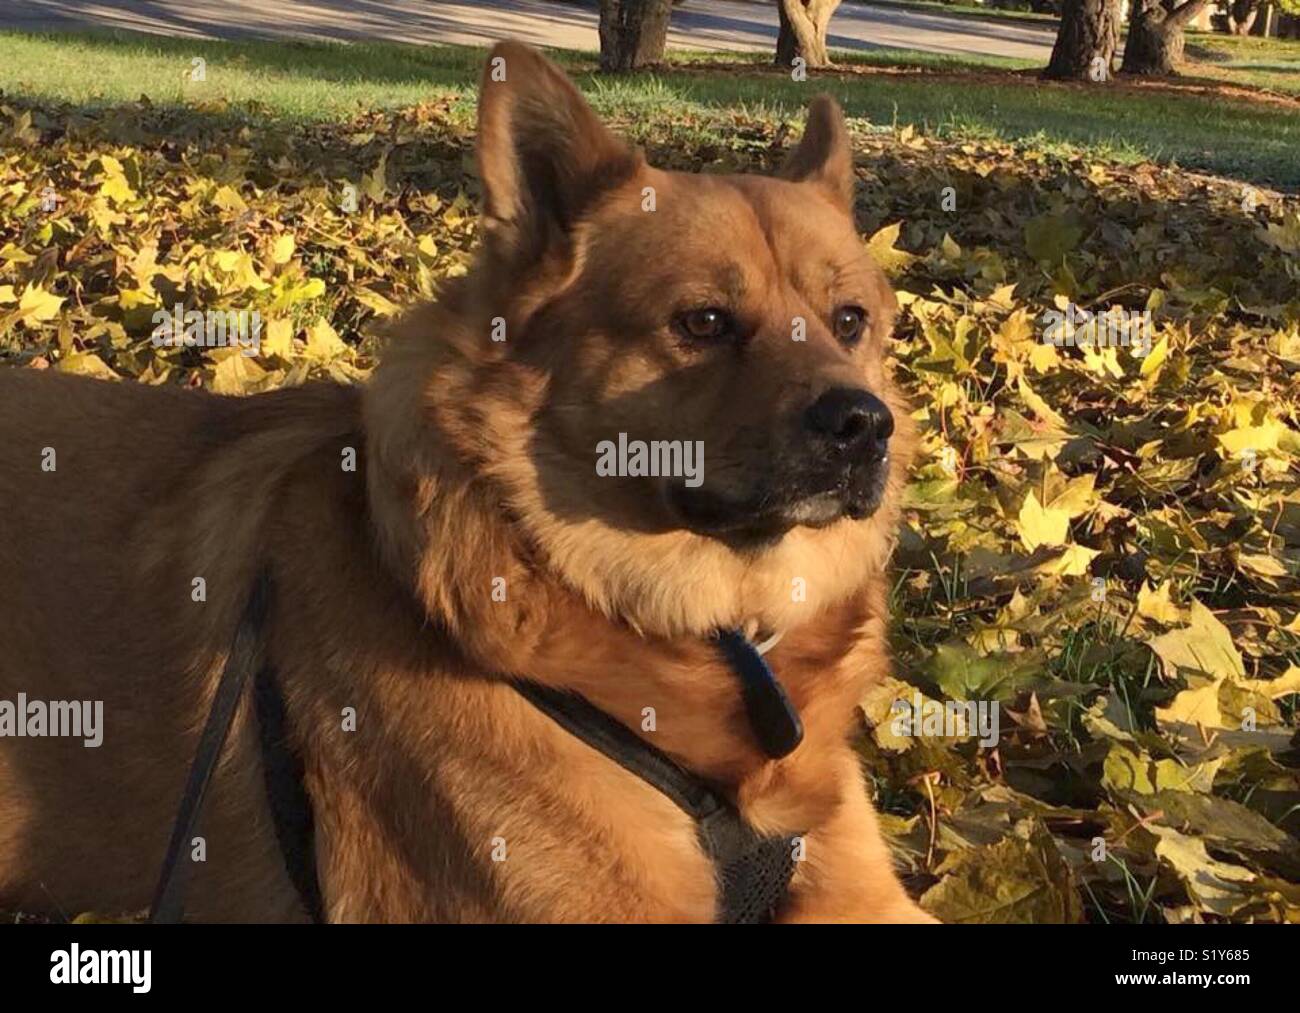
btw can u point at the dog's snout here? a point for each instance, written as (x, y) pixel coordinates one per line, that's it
(847, 416)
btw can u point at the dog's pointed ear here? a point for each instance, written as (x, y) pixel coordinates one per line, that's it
(824, 155)
(543, 154)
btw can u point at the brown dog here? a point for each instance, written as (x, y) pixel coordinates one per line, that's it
(480, 538)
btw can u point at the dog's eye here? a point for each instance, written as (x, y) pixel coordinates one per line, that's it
(849, 323)
(707, 324)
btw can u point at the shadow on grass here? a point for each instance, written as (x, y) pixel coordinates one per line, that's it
(1266, 68)
(1242, 139)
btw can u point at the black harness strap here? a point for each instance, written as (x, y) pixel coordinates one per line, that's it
(282, 769)
(753, 871)
(583, 720)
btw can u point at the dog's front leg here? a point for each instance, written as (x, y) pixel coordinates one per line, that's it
(847, 874)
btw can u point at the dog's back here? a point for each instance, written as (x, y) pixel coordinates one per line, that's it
(129, 536)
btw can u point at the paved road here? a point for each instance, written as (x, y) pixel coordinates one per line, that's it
(701, 24)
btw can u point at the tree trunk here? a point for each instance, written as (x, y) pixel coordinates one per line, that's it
(633, 33)
(1155, 36)
(1241, 16)
(803, 32)
(1086, 42)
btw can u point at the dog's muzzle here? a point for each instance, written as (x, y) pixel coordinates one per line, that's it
(836, 466)
(847, 430)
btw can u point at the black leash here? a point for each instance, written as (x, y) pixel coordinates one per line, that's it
(290, 807)
(753, 871)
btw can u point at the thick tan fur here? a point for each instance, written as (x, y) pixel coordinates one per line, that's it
(476, 474)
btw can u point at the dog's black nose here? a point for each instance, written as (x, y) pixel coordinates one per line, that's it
(845, 416)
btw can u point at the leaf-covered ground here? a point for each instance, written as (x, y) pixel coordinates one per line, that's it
(1105, 545)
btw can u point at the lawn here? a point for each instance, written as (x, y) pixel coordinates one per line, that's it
(967, 10)
(1106, 545)
(978, 97)
(1271, 64)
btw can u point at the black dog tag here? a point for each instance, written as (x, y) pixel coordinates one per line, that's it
(772, 716)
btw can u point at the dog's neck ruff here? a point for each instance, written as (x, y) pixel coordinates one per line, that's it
(753, 871)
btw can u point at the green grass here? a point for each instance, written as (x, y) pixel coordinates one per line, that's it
(1240, 46)
(298, 80)
(1272, 64)
(1230, 138)
(967, 10)
(909, 59)
(322, 81)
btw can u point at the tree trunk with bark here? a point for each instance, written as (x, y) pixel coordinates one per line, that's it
(804, 25)
(1155, 35)
(633, 33)
(1086, 41)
